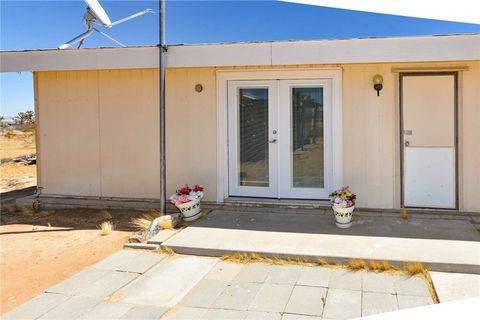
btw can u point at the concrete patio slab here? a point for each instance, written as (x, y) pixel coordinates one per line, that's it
(136, 261)
(411, 286)
(271, 298)
(36, 307)
(343, 304)
(311, 236)
(94, 282)
(376, 302)
(455, 286)
(73, 308)
(162, 236)
(254, 272)
(406, 302)
(217, 314)
(289, 316)
(287, 274)
(257, 315)
(107, 310)
(144, 313)
(237, 296)
(167, 283)
(307, 301)
(345, 279)
(378, 282)
(315, 277)
(224, 271)
(204, 293)
(184, 313)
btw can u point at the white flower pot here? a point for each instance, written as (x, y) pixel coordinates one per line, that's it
(190, 210)
(343, 216)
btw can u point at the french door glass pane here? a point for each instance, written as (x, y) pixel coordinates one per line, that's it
(307, 137)
(253, 135)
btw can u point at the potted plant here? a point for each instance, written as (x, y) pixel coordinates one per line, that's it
(187, 200)
(343, 204)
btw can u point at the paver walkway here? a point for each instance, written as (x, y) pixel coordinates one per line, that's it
(135, 284)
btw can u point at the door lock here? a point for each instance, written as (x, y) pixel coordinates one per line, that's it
(407, 143)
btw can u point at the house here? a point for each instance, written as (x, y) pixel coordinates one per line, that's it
(270, 120)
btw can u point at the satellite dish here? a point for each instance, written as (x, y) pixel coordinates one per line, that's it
(99, 12)
(96, 12)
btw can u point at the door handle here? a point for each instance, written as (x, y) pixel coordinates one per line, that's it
(407, 143)
(273, 141)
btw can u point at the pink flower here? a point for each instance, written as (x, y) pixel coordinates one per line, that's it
(182, 199)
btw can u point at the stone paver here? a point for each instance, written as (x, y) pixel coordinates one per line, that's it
(289, 316)
(237, 296)
(271, 298)
(345, 279)
(224, 271)
(107, 310)
(378, 282)
(144, 313)
(72, 308)
(254, 272)
(343, 304)
(184, 313)
(94, 282)
(287, 274)
(307, 301)
(411, 286)
(405, 302)
(220, 314)
(131, 261)
(166, 284)
(36, 307)
(314, 276)
(204, 293)
(259, 315)
(455, 286)
(378, 302)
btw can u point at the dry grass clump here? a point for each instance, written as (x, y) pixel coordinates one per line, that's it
(143, 222)
(106, 227)
(164, 250)
(404, 214)
(28, 211)
(414, 268)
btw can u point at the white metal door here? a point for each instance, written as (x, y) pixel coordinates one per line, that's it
(252, 147)
(428, 140)
(305, 143)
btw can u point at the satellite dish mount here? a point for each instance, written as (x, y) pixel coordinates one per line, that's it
(95, 13)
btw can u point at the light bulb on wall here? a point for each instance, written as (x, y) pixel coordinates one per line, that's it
(378, 83)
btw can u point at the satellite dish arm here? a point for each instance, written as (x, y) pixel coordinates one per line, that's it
(76, 39)
(110, 38)
(130, 17)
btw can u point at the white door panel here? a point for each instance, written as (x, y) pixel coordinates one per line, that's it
(430, 177)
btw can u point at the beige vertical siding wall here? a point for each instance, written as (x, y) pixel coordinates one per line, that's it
(99, 133)
(191, 129)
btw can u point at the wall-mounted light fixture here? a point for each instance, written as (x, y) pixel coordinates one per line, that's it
(378, 83)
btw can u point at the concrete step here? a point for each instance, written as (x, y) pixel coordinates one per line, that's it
(448, 246)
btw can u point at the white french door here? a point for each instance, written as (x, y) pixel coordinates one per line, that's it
(280, 138)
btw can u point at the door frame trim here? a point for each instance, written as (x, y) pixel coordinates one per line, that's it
(225, 75)
(455, 129)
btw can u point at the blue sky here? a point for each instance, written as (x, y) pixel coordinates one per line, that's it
(47, 24)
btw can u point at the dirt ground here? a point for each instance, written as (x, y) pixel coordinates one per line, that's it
(16, 176)
(38, 250)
